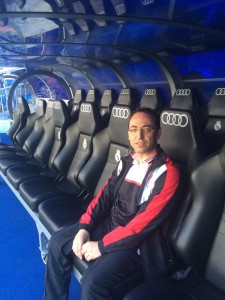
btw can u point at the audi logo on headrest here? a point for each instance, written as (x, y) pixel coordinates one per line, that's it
(183, 92)
(125, 92)
(107, 92)
(150, 92)
(146, 2)
(57, 105)
(220, 92)
(86, 108)
(119, 112)
(179, 120)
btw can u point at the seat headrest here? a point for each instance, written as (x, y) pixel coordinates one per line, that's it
(185, 99)
(118, 124)
(91, 96)
(49, 109)
(106, 103)
(216, 105)
(151, 99)
(181, 137)
(41, 107)
(61, 113)
(23, 105)
(126, 97)
(89, 118)
(107, 98)
(79, 95)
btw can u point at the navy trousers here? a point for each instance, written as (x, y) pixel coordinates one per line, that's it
(102, 275)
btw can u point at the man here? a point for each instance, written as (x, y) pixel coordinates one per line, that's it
(136, 200)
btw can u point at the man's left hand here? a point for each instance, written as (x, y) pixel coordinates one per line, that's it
(90, 250)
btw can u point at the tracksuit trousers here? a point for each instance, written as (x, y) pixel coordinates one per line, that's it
(101, 276)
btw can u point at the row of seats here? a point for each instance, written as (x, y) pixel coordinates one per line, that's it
(77, 147)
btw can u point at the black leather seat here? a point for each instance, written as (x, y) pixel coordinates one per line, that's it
(26, 137)
(108, 146)
(68, 162)
(51, 143)
(200, 241)
(214, 133)
(19, 121)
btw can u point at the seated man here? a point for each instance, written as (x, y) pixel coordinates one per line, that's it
(138, 197)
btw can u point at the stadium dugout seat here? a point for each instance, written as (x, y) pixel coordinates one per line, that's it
(51, 143)
(24, 133)
(19, 121)
(108, 146)
(26, 154)
(151, 98)
(68, 162)
(214, 133)
(200, 242)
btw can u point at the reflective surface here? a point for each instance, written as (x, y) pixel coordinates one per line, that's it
(117, 41)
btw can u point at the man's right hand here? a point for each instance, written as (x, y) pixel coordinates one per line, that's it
(80, 239)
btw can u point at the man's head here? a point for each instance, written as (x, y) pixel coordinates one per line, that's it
(144, 131)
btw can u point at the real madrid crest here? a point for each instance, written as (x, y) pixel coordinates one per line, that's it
(117, 155)
(217, 125)
(85, 144)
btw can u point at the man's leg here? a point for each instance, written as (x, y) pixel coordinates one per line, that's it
(106, 271)
(58, 268)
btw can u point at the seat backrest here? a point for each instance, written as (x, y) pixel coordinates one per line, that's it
(24, 133)
(109, 145)
(78, 146)
(214, 133)
(200, 242)
(54, 133)
(45, 112)
(151, 99)
(19, 118)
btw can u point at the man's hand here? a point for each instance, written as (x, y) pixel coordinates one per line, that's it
(91, 251)
(80, 239)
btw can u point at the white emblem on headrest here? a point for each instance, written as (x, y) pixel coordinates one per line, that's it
(217, 125)
(117, 155)
(85, 144)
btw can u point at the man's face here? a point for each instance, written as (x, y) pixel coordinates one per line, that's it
(143, 134)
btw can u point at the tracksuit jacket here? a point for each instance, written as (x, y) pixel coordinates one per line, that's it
(133, 218)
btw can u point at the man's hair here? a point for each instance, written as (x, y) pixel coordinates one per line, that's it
(151, 112)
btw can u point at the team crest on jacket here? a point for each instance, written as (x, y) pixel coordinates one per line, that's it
(117, 155)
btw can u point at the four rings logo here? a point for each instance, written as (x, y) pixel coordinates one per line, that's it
(86, 108)
(122, 113)
(183, 92)
(125, 92)
(150, 92)
(220, 92)
(174, 119)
